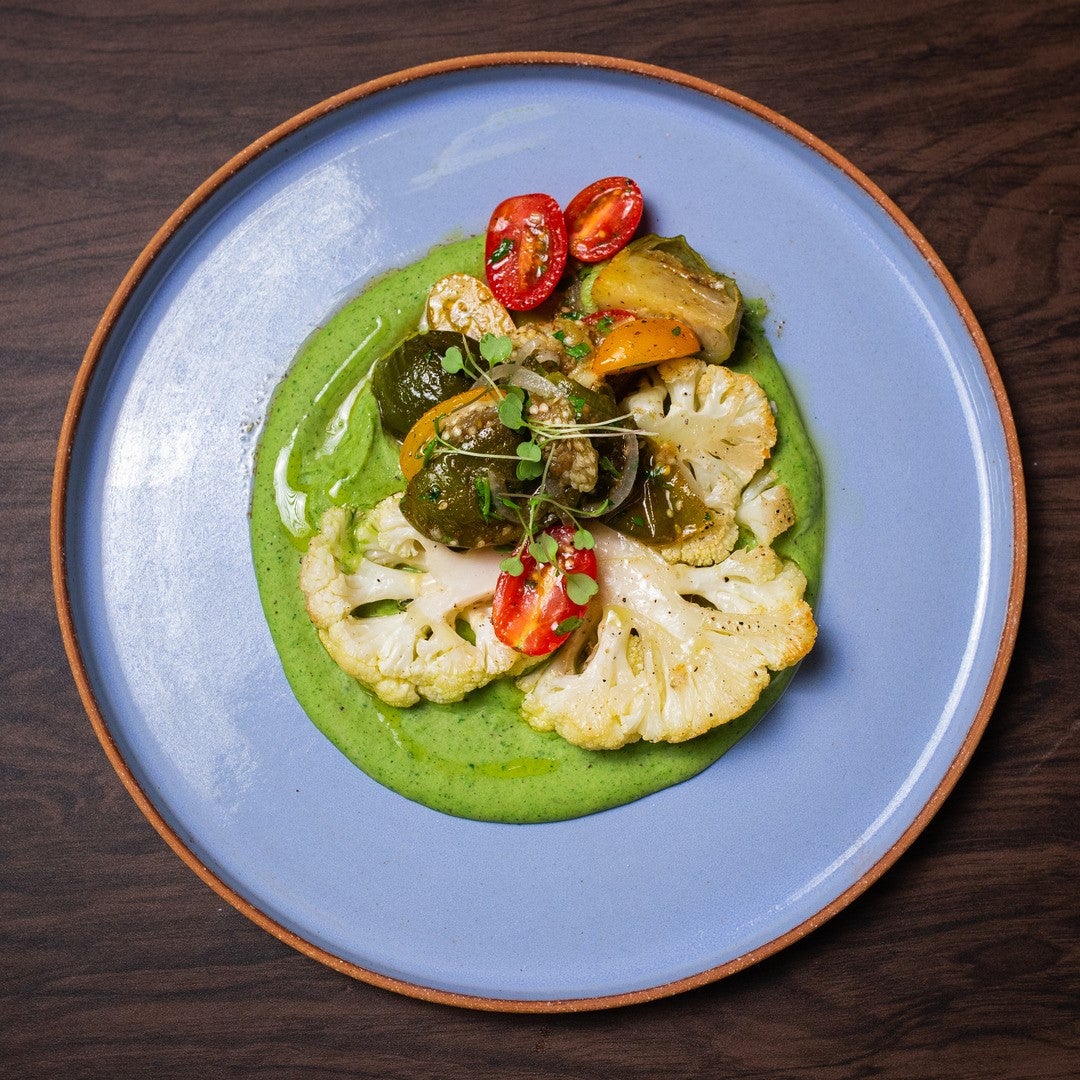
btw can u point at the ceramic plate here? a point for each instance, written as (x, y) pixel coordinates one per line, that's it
(157, 597)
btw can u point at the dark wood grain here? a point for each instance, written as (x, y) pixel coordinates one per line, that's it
(962, 962)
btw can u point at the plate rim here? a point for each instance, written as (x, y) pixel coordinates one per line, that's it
(157, 244)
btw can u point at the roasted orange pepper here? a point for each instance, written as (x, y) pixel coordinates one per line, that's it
(423, 431)
(643, 341)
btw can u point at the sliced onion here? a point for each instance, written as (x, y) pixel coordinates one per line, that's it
(625, 484)
(535, 383)
(516, 375)
(499, 373)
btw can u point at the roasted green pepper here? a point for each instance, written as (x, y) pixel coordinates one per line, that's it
(411, 379)
(454, 498)
(662, 506)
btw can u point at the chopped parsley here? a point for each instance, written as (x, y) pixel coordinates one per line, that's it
(505, 246)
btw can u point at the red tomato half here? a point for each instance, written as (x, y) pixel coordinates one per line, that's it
(601, 219)
(606, 319)
(528, 608)
(525, 253)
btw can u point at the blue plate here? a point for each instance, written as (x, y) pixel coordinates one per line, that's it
(157, 597)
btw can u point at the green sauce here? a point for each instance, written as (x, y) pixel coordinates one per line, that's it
(323, 445)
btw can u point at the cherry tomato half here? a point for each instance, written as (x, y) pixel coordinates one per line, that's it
(529, 608)
(606, 319)
(601, 219)
(525, 252)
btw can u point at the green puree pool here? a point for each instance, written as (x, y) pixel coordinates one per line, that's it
(323, 445)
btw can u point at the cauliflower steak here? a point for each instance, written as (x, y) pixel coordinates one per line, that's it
(436, 640)
(670, 651)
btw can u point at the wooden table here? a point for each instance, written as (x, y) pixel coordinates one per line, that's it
(962, 961)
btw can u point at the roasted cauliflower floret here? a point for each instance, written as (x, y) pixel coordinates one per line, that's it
(750, 581)
(711, 544)
(464, 303)
(719, 420)
(653, 664)
(437, 641)
(765, 507)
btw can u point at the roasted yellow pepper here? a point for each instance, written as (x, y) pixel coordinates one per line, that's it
(643, 341)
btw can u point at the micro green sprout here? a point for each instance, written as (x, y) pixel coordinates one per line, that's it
(495, 348)
(510, 409)
(544, 549)
(513, 566)
(583, 539)
(581, 588)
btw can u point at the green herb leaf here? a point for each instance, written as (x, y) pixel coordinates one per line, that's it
(579, 351)
(529, 470)
(637, 520)
(452, 360)
(495, 348)
(545, 548)
(676, 331)
(604, 324)
(512, 566)
(580, 588)
(608, 465)
(583, 540)
(510, 409)
(568, 626)
(483, 495)
(528, 450)
(559, 335)
(505, 246)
